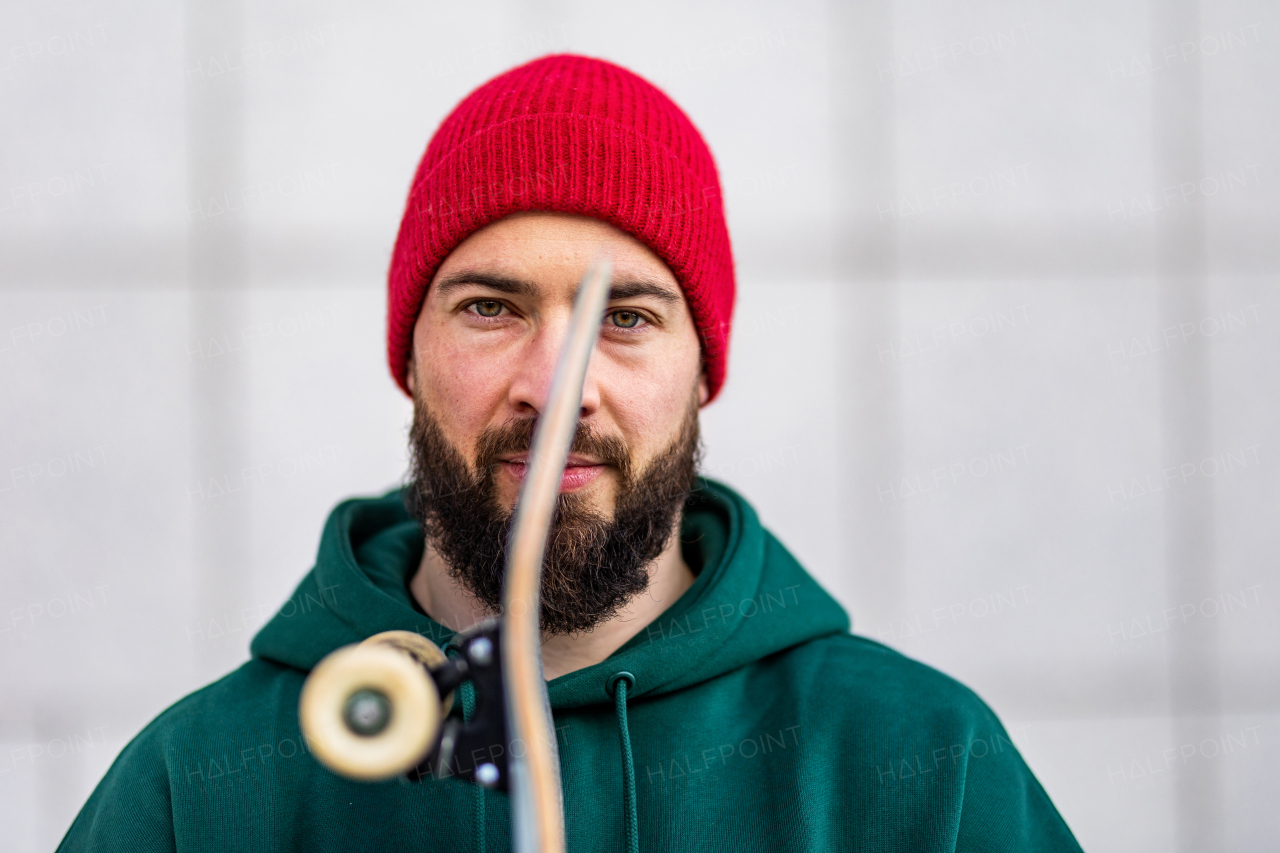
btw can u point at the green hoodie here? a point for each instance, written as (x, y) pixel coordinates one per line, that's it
(756, 722)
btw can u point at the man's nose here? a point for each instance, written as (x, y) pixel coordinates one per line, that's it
(535, 371)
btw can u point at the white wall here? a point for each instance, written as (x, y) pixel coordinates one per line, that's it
(1004, 374)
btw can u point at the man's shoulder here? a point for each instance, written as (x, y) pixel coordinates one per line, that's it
(256, 698)
(854, 676)
(185, 759)
(914, 747)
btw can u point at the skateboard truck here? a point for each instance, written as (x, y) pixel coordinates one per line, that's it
(373, 710)
(474, 750)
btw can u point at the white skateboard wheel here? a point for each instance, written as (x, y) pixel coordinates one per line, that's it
(370, 711)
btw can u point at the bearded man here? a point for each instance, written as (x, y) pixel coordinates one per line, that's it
(753, 719)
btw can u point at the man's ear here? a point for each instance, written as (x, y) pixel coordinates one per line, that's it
(704, 390)
(409, 374)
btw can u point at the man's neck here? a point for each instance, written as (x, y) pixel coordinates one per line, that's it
(445, 600)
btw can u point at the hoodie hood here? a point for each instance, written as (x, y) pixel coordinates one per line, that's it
(751, 599)
(755, 722)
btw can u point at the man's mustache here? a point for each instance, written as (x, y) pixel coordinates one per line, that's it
(516, 437)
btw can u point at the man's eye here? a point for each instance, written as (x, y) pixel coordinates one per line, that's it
(487, 308)
(626, 319)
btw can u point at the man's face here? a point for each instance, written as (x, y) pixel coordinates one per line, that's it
(492, 325)
(485, 349)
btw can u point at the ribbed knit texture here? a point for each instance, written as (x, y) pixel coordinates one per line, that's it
(577, 135)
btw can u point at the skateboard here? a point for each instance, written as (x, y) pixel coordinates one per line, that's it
(380, 708)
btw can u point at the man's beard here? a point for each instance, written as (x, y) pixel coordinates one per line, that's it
(594, 565)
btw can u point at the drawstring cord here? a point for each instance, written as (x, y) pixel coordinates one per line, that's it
(618, 685)
(467, 695)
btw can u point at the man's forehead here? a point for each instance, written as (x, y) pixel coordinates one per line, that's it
(555, 233)
(554, 248)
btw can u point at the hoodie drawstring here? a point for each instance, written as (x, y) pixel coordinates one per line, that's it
(618, 685)
(467, 695)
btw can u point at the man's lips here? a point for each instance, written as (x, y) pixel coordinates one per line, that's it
(579, 471)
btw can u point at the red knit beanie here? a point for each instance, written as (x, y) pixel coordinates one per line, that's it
(577, 135)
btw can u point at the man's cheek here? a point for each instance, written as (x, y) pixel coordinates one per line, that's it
(464, 393)
(651, 418)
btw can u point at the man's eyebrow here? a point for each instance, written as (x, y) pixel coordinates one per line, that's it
(630, 288)
(623, 288)
(493, 281)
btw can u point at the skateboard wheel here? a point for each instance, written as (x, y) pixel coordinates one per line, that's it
(370, 711)
(418, 647)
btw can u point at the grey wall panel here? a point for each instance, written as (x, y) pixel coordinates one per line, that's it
(1003, 374)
